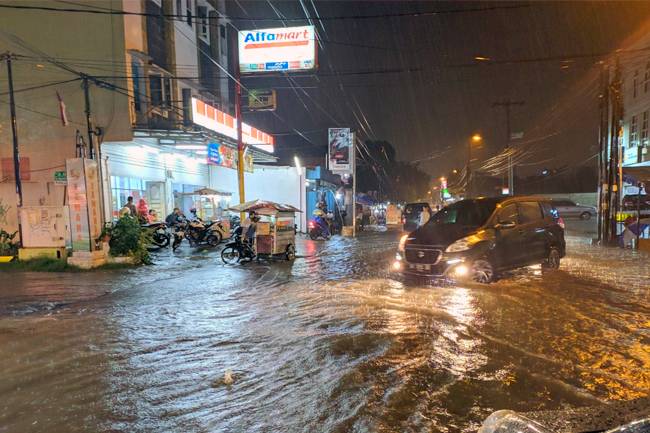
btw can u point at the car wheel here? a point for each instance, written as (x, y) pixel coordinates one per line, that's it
(553, 260)
(585, 215)
(230, 255)
(482, 271)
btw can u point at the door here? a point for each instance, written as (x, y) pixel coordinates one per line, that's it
(157, 199)
(533, 229)
(509, 244)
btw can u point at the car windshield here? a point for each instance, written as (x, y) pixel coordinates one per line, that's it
(414, 208)
(470, 213)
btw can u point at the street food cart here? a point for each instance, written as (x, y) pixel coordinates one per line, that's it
(275, 236)
(209, 206)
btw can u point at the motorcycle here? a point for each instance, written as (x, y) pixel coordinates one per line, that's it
(316, 231)
(161, 237)
(179, 233)
(198, 232)
(238, 250)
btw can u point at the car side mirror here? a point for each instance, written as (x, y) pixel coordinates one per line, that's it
(505, 225)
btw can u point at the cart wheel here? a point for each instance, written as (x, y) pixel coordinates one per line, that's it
(291, 252)
(214, 239)
(230, 255)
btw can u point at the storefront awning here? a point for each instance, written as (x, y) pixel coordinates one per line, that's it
(206, 191)
(640, 171)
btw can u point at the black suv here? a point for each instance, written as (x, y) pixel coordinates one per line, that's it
(477, 238)
(411, 215)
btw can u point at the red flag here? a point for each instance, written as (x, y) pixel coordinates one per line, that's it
(64, 117)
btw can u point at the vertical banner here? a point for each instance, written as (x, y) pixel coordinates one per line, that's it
(392, 215)
(340, 142)
(84, 203)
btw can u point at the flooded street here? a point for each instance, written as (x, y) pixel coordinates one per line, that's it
(328, 343)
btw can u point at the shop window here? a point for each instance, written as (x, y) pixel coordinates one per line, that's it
(204, 31)
(633, 132)
(124, 187)
(644, 128)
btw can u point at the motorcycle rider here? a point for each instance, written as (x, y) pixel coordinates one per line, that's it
(319, 218)
(174, 219)
(249, 225)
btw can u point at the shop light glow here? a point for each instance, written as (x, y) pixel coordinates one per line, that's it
(297, 165)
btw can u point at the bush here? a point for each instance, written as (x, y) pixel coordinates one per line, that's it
(128, 239)
(7, 246)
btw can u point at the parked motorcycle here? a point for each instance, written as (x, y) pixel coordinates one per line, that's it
(161, 236)
(237, 250)
(198, 232)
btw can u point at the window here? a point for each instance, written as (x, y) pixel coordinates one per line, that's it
(135, 74)
(633, 133)
(188, 5)
(646, 78)
(551, 212)
(509, 214)
(160, 89)
(644, 128)
(635, 82)
(203, 23)
(222, 43)
(529, 211)
(179, 9)
(125, 187)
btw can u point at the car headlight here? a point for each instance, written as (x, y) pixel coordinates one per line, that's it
(402, 242)
(463, 244)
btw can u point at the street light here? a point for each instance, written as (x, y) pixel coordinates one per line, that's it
(476, 138)
(295, 157)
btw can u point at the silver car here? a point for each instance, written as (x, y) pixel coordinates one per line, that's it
(568, 208)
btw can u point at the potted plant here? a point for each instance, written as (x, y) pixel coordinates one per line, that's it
(8, 248)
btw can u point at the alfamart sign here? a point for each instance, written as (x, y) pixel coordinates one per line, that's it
(218, 121)
(284, 49)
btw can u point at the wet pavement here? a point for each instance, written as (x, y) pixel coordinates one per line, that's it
(327, 343)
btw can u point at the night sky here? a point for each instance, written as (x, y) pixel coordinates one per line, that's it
(416, 82)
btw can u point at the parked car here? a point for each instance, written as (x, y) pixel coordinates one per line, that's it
(568, 208)
(480, 237)
(631, 201)
(411, 215)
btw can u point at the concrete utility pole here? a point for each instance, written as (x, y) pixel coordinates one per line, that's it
(14, 131)
(603, 185)
(613, 175)
(511, 170)
(240, 143)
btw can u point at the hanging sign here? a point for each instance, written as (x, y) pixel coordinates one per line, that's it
(60, 178)
(209, 117)
(225, 156)
(261, 100)
(340, 144)
(284, 49)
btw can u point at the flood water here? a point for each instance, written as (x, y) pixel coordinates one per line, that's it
(328, 343)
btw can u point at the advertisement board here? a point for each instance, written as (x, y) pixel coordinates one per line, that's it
(283, 49)
(340, 142)
(225, 156)
(78, 204)
(209, 117)
(392, 214)
(261, 100)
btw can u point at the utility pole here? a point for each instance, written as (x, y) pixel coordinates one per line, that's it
(511, 170)
(89, 122)
(613, 179)
(603, 186)
(240, 143)
(14, 131)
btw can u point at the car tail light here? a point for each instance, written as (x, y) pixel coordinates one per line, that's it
(560, 222)
(403, 220)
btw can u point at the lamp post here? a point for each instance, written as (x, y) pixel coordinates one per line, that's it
(476, 138)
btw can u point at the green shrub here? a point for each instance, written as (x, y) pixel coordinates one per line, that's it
(7, 246)
(128, 239)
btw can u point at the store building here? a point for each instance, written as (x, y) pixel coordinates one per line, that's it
(159, 104)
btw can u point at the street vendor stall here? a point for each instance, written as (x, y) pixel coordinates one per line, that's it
(276, 235)
(209, 204)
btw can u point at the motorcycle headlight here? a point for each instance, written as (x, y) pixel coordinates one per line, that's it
(463, 244)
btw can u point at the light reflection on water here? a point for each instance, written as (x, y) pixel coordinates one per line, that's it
(327, 343)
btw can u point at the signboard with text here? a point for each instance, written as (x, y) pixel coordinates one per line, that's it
(261, 100)
(60, 178)
(218, 154)
(392, 214)
(84, 203)
(340, 142)
(209, 117)
(283, 49)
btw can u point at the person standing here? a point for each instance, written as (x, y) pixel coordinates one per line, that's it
(131, 206)
(249, 225)
(425, 215)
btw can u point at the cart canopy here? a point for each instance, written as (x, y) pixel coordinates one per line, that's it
(264, 207)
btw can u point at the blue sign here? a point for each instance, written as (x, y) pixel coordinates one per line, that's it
(277, 66)
(214, 156)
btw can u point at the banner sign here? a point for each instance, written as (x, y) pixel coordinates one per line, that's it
(84, 203)
(60, 178)
(261, 100)
(340, 144)
(283, 49)
(218, 121)
(218, 154)
(392, 214)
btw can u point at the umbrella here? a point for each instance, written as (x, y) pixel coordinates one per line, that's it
(632, 230)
